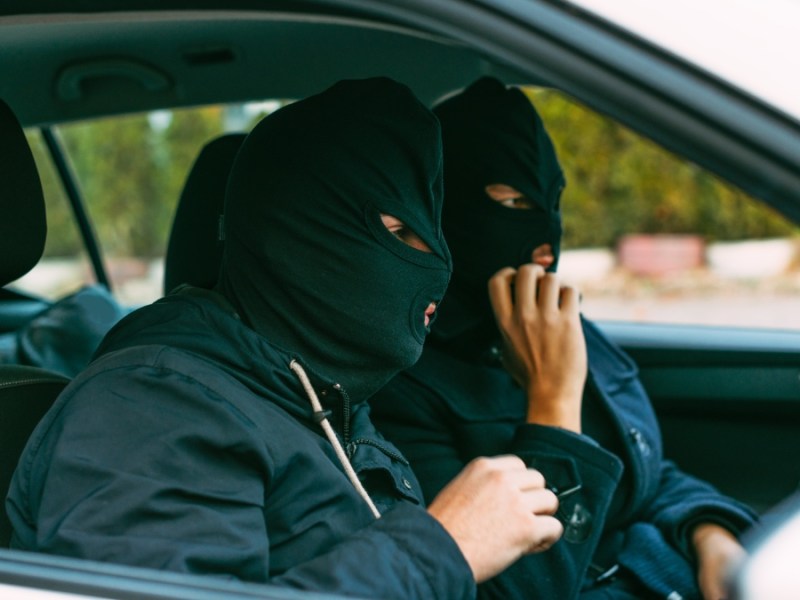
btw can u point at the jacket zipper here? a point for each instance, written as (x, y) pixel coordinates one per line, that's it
(351, 449)
(345, 412)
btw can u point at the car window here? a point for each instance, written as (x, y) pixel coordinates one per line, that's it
(751, 43)
(130, 172)
(649, 237)
(65, 266)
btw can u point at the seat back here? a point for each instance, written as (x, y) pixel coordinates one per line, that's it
(26, 393)
(23, 227)
(194, 253)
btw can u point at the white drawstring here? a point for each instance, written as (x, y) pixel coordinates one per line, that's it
(319, 413)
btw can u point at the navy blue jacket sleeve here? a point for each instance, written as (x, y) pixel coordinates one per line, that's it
(668, 498)
(439, 441)
(682, 501)
(405, 554)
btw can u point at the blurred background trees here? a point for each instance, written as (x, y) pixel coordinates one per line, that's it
(131, 171)
(619, 182)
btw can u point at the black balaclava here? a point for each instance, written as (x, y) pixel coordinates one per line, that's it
(492, 134)
(308, 263)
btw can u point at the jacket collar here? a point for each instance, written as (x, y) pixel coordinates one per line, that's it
(233, 347)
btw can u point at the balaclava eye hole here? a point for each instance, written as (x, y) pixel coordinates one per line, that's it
(395, 245)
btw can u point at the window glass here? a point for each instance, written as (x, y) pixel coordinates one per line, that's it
(649, 237)
(65, 266)
(751, 43)
(130, 171)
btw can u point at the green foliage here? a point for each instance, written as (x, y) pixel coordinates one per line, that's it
(131, 174)
(131, 171)
(63, 238)
(618, 182)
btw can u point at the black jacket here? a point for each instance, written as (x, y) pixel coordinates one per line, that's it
(188, 445)
(633, 508)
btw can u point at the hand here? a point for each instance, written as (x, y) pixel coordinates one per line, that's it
(718, 552)
(497, 510)
(544, 349)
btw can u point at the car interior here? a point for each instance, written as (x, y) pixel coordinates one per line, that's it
(25, 392)
(194, 250)
(728, 399)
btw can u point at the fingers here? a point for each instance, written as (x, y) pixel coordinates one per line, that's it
(545, 291)
(537, 498)
(496, 510)
(503, 462)
(526, 283)
(549, 292)
(511, 287)
(542, 502)
(570, 299)
(533, 290)
(548, 532)
(500, 292)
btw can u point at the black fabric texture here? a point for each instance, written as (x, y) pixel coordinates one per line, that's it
(446, 411)
(188, 445)
(26, 393)
(307, 260)
(23, 227)
(455, 405)
(194, 252)
(492, 134)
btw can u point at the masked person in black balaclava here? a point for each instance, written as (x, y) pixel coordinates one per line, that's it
(225, 432)
(496, 377)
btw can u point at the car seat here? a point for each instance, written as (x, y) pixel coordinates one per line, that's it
(194, 253)
(64, 336)
(26, 393)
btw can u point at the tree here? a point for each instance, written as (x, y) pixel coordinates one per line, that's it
(618, 183)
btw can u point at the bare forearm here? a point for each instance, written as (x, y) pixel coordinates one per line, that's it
(554, 413)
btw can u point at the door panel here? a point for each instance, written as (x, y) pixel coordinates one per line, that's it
(728, 403)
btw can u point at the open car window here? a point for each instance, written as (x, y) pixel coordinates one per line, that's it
(649, 237)
(652, 238)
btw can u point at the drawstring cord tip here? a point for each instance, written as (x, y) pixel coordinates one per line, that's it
(321, 415)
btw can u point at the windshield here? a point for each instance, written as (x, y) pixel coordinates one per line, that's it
(752, 44)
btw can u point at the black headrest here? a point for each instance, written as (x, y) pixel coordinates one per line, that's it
(195, 252)
(23, 226)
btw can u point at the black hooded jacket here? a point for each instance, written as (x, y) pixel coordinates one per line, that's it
(630, 512)
(226, 475)
(190, 443)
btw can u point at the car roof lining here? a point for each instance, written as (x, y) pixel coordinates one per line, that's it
(106, 72)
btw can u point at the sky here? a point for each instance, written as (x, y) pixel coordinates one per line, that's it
(753, 44)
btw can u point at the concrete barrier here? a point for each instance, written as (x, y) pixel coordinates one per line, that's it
(752, 259)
